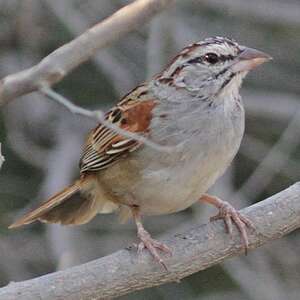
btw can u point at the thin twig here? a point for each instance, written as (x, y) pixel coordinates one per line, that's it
(99, 116)
(96, 115)
(198, 249)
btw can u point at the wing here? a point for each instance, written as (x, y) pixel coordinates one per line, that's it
(104, 147)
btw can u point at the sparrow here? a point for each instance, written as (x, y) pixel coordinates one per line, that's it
(193, 107)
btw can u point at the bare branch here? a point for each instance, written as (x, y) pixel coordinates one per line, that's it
(96, 115)
(199, 248)
(63, 60)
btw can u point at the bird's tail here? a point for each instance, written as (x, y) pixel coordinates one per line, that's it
(58, 210)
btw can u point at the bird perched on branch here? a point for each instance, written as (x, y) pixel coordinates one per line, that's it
(194, 108)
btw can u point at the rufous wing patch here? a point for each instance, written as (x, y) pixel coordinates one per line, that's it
(104, 146)
(138, 117)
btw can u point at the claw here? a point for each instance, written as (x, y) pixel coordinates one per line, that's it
(147, 242)
(152, 245)
(230, 215)
(140, 248)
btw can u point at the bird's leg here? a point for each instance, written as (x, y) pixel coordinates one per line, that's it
(147, 241)
(229, 214)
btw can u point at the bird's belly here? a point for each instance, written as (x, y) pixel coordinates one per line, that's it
(161, 183)
(168, 186)
(176, 188)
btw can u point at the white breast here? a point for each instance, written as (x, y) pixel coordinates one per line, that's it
(205, 140)
(204, 146)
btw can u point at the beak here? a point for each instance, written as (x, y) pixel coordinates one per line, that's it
(248, 59)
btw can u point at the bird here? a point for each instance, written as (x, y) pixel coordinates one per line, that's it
(193, 107)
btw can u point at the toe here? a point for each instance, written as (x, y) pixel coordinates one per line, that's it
(153, 246)
(216, 217)
(230, 215)
(156, 256)
(228, 225)
(162, 263)
(140, 248)
(246, 221)
(162, 247)
(242, 229)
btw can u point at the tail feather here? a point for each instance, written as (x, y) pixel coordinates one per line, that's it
(53, 202)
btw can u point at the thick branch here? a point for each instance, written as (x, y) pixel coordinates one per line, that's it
(203, 246)
(63, 60)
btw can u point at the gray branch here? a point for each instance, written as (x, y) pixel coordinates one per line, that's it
(198, 249)
(63, 60)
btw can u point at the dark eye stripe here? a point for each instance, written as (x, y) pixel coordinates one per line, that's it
(199, 60)
(226, 57)
(196, 60)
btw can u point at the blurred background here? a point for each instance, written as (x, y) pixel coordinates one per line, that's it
(42, 141)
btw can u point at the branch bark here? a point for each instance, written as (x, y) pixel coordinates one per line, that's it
(199, 248)
(63, 60)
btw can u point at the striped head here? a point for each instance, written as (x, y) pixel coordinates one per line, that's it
(213, 67)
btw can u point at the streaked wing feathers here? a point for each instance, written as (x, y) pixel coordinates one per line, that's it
(104, 147)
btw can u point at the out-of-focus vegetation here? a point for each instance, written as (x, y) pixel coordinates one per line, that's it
(42, 141)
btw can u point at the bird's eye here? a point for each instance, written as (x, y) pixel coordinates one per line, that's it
(211, 58)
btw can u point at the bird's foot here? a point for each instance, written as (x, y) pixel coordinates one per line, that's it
(153, 246)
(230, 215)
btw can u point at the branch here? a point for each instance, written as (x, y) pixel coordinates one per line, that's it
(63, 60)
(203, 246)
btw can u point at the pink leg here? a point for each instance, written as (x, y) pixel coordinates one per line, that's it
(147, 241)
(230, 215)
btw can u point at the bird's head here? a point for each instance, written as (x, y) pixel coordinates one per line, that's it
(212, 67)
